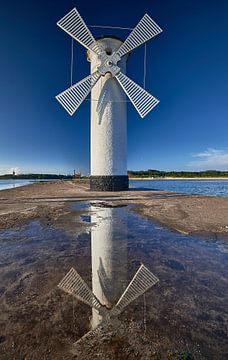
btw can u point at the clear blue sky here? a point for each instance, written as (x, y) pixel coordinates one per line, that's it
(187, 69)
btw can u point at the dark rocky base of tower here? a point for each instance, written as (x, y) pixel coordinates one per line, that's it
(109, 183)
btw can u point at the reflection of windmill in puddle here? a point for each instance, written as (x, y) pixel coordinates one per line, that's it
(109, 271)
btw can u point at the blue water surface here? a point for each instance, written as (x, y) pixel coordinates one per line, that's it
(207, 187)
(11, 183)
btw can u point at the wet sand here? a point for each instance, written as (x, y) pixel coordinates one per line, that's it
(182, 212)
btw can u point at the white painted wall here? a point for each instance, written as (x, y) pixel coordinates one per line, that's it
(108, 120)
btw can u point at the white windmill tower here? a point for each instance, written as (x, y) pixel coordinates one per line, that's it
(108, 85)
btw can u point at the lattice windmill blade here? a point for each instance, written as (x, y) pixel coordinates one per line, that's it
(72, 98)
(141, 282)
(145, 30)
(143, 101)
(73, 284)
(73, 24)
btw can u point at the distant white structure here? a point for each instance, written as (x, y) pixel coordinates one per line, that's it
(108, 83)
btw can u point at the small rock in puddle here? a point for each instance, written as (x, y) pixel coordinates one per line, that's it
(104, 204)
(2, 339)
(175, 265)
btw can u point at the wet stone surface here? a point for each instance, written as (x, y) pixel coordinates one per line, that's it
(185, 314)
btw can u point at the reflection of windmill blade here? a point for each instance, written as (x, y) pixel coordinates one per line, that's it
(140, 98)
(140, 283)
(145, 30)
(75, 26)
(72, 98)
(73, 284)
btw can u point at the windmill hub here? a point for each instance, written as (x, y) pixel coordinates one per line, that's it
(108, 63)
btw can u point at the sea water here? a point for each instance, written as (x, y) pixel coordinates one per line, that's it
(194, 186)
(11, 183)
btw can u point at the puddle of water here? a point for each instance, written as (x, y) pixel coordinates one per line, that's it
(185, 312)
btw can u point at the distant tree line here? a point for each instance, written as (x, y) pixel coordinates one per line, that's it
(35, 176)
(150, 173)
(181, 174)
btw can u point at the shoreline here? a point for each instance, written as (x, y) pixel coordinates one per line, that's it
(181, 178)
(180, 211)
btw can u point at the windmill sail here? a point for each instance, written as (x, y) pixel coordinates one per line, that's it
(72, 98)
(145, 30)
(73, 284)
(140, 98)
(141, 282)
(73, 24)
